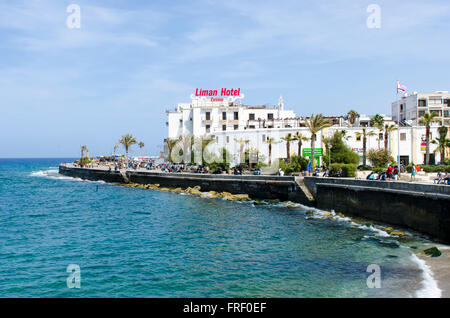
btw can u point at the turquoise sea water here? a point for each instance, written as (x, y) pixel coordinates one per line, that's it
(146, 243)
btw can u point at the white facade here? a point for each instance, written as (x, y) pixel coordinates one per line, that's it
(204, 116)
(231, 123)
(415, 105)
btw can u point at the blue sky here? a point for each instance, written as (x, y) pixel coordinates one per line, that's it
(131, 60)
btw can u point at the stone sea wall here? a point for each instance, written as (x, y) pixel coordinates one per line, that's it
(424, 208)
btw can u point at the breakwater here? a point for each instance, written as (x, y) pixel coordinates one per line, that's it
(424, 208)
(420, 207)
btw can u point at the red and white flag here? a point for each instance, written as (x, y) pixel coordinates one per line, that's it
(400, 87)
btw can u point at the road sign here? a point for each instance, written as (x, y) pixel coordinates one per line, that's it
(317, 152)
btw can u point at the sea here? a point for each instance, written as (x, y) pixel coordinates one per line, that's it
(65, 237)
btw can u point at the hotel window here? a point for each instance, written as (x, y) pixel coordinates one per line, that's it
(447, 102)
(251, 117)
(434, 101)
(446, 113)
(251, 127)
(437, 112)
(263, 138)
(208, 116)
(421, 113)
(224, 127)
(380, 136)
(236, 115)
(402, 107)
(208, 128)
(358, 138)
(224, 115)
(270, 116)
(235, 127)
(422, 103)
(403, 136)
(228, 139)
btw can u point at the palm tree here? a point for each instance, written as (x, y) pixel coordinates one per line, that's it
(116, 146)
(315, 124)
(288, 138)
(376, 121)
(388, 129)
(127, 141)
(427, 119)
(242, 142)
(443, 142)
(83, 149)
(170, 142)
(141, 144)
(300, 138)
(270, 141)
(352, 115)
(364, 134)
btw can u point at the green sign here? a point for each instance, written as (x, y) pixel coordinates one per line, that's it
(317, 152)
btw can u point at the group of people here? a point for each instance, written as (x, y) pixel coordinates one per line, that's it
(442, 178)
(391, 173)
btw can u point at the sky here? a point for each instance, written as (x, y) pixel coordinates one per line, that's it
(130, 61)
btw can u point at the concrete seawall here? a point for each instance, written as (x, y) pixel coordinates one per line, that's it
(258, 187)
(420, 207)
(424, 208)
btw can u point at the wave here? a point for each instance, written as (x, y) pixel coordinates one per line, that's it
(430, 288)
(54, 174)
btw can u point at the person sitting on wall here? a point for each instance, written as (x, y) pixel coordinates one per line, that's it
(446, 178)
(371, 176)
(382, 176)
(326, 173)
(439, 177)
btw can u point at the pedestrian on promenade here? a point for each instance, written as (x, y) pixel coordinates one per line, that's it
(413, 172)
(396, 175)
(439, 177)
(389, 172)
(446, 178)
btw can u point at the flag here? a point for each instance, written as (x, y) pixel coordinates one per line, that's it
(400, 87)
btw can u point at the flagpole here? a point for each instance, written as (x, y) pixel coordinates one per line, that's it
(398, 132)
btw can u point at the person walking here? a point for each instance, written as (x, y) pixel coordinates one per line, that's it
(413, 172)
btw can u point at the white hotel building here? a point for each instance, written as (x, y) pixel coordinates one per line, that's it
(230, 122)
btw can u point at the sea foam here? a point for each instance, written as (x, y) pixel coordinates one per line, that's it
(430, 288)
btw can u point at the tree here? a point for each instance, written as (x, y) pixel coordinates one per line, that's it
(141, 145)
(339, 151)
(380, 157)
(352, 115)
(376, 121)
(364, 135)
(315, 124)
(116, 146)
(427, 119)
(83, 149)
(170, 142)
(300, 138)
(388, 129)
(270, 141)
(242, 142)
(288, 138)
(127, 141)
(442, 142)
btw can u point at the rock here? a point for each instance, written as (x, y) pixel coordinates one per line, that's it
(289, 204)
(309, 213)
(164, 189)
(388, 229)
(327, 214)
(397, 233)
(210, 195)
(340, 215)
(432, 251)
(177, 190)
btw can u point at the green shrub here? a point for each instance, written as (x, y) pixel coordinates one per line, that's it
(342, 170)
(295, 164)
(365, 168)
(379, 169)
(379, 157)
